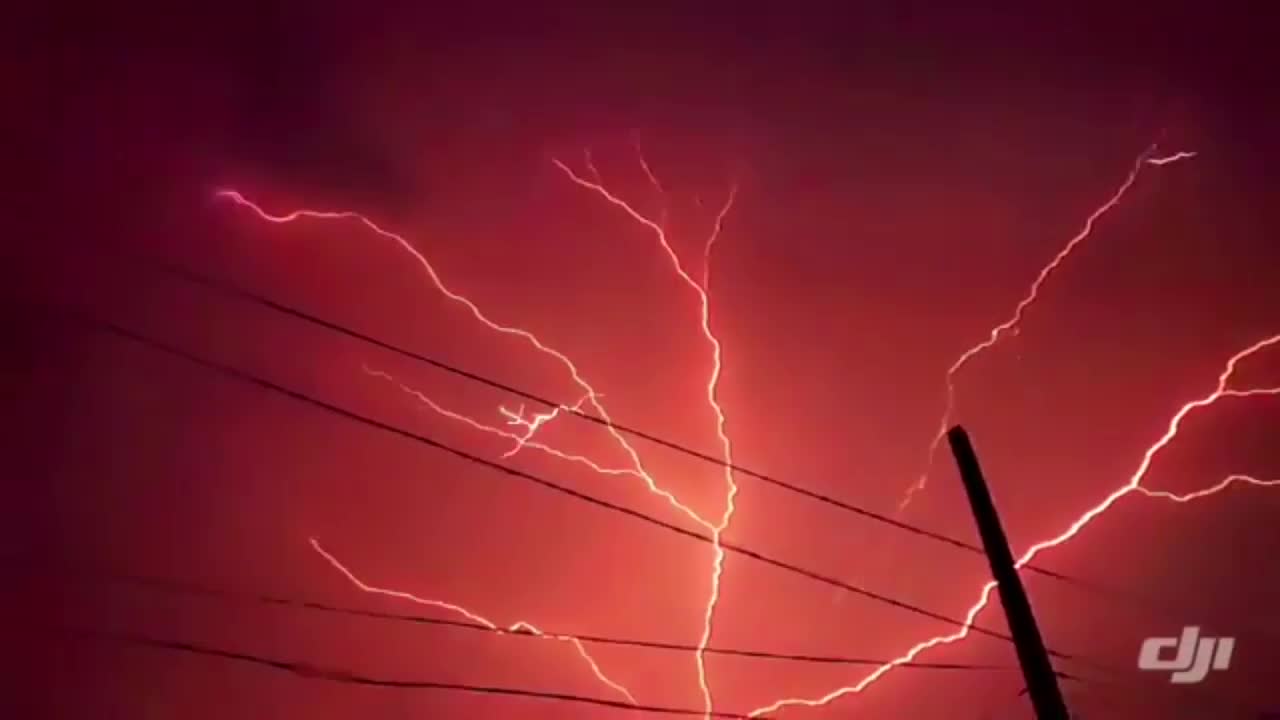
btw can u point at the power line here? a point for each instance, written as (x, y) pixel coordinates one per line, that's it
(243, 376)
(316, 672)
(232, 290)
(225, 288)
(310, 671)
(253, 297)
(190, 588)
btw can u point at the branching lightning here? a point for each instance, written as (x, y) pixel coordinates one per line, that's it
(522, 441)
(1013, 323)
(532, 424)
(1213, 490)
(520, 428)
(535, 421)
(713, 384)
(1133, 484)
(520, 626)
(479, 315)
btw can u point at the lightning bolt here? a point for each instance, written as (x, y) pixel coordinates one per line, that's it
(521, 429)
(712, 388)
(520, 626)
(531, 425)
(1133, 484)
(484, 319)
(1013, 323)
(522, 441)
(644, 167)
(637, 467)
(537, 421)
(715, 235)
(1185, 155)
(1213, 490)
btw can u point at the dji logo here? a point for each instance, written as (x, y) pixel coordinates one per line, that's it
(1194, 656)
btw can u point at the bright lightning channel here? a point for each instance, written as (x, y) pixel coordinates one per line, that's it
(1011, 325)
(1212, 490)
(536, 421)
(1220, 392)
(478, 314)
(533, 423)
(522, 441)
(520, 626)
(704, 304)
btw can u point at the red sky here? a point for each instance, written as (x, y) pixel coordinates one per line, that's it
(901, 179)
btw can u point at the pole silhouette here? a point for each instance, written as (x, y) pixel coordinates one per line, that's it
(1042, 681)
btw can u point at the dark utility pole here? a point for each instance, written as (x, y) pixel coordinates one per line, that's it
(1042, 683)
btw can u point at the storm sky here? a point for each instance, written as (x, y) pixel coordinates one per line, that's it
(899, 178)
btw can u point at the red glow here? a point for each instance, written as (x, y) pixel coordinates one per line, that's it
(532, 424)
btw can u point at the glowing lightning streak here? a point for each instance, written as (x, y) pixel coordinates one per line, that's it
(1171, 158)
(522, 441)
(715, 235)
(591, 394)
(1230, 479)
(1133, 485)
(712, 399)
(539, 420)
(531, 426)
(517, 627)
(645, 167)
(478, 315)
(1011, 325)
(589, 161)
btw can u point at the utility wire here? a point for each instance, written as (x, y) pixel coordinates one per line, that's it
(249, 378)
(316, 672)
(189, 588)
(311, 671)
(228, 289)
(232, 290)
(224, 288)
(348, 414)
